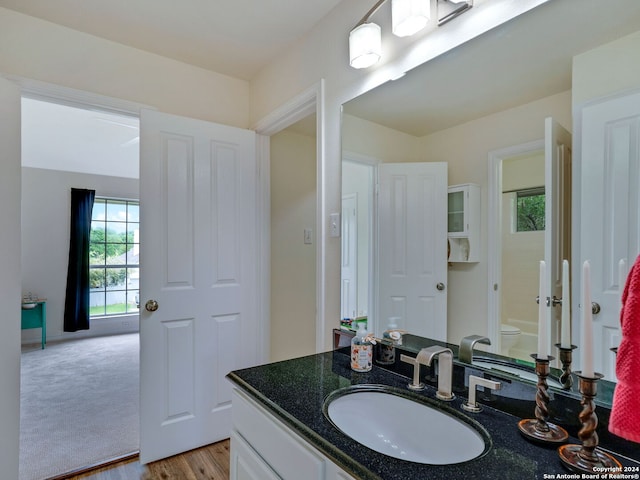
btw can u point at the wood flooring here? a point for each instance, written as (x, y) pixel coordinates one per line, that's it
(207, 463)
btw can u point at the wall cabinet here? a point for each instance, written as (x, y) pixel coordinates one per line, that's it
(463, 223)
(262, 447)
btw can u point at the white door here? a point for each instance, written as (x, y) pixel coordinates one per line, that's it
(412, 253)
(10, 283)
(198, 228)
(557, 235)
(610, 209)
(349, 271)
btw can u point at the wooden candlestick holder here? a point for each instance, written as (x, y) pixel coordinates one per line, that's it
(586, 457)
(566, 357)
(538, 429)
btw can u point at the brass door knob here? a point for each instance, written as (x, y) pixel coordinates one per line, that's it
(151, 306)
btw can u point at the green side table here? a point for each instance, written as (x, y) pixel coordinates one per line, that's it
(35, 316)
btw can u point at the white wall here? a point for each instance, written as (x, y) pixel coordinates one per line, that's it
(46, 52)
(46, 207)
(293, 263)
(608, 69)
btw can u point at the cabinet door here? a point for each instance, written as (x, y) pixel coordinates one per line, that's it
(246, 464)
(456, 208)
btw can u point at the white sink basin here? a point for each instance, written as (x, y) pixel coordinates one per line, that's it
(404, 428)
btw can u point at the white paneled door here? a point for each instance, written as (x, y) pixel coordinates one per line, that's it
(557, 234)
(412, 258)
(610, 212)
(198, 281)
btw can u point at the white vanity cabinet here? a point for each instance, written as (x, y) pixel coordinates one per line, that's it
(463, 223)
(263, 448)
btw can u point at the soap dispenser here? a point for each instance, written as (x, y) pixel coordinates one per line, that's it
(361, 351)
(386, 354)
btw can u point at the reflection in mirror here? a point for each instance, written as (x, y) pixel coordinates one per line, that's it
(476, 99)
(522, 221)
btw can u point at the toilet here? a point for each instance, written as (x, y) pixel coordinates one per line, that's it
(509, 336)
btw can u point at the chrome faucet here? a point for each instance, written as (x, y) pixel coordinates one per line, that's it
(471, 405)
(445, 368)
(465, 353)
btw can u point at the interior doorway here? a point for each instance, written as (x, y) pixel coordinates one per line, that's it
(68, 146)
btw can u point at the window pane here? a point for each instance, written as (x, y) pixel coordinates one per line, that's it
(116, 302)
(98, 211)
(134, 212)
(96, 278)
(530, 208)
(116, 278)
(96, 303)
(97, 232)
(116, 211)
(117, 232)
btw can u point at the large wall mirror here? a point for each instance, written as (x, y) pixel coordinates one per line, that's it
(488, 95)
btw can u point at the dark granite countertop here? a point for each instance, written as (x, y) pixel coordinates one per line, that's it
(295, 390)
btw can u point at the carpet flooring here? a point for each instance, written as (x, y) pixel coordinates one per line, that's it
(79, 403)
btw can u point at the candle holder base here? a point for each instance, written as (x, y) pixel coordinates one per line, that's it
(576, 459)
(544, 432)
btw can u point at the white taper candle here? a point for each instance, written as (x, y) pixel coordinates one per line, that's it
(543, 333)
(565, 325)
(586, 345)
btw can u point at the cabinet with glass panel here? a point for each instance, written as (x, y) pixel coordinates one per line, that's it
(463, 220)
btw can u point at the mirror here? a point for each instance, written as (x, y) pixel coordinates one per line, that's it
(490, 93)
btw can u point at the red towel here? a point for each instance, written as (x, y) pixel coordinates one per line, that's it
(625, 413)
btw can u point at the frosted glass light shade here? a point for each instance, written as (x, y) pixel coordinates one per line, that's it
(365, 45)
(409, 16)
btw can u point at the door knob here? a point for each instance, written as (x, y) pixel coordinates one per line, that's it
(595, 308)
(151, 305)
(440, 286)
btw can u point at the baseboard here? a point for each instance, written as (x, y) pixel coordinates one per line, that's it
(90, 468)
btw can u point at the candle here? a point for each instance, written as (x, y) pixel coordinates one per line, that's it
(587, 323)
(543, 333)
(565, 325)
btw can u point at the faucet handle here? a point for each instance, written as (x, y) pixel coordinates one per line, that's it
(416, 384)
(471, 405)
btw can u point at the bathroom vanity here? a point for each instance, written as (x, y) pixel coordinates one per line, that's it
(280, 428)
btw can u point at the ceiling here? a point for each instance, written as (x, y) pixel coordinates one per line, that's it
(59, 137)
(523, 60)
(233, 37)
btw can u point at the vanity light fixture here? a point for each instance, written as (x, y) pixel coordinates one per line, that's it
(409, 16)
(365, 40)
(365, 45)
(450, 9)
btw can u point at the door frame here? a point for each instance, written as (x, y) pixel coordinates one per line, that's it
(494, 235)
(310, 101)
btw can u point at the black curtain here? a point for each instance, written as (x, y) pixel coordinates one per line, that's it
(76, 304)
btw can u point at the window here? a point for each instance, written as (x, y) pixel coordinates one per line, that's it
(114, 250)
(530, 210)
